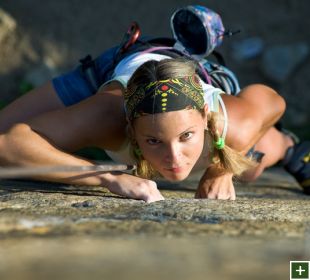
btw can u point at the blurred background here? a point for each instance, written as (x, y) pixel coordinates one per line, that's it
(41, 39)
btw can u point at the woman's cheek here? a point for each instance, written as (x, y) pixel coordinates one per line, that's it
(151, 154)
(196, 143)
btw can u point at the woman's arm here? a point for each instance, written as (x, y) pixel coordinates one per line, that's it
(37, 101)
(251, 114)
(23, 147)
(47, 139)
(216, 184)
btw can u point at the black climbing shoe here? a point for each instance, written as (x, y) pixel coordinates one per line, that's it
(297, 163)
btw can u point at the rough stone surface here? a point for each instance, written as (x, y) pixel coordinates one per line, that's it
(54, 231)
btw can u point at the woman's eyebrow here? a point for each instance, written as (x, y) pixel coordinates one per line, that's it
(152, 136)
(147, 135)
(187, 129)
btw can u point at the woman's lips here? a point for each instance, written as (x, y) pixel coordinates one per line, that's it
(175, 169)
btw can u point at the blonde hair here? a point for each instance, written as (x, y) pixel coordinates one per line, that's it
(225, 159)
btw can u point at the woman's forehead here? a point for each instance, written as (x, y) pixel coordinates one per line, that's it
(181, 118)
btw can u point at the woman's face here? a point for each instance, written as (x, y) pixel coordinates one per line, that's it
(171, 142)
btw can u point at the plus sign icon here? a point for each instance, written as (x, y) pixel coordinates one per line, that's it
(299, 270)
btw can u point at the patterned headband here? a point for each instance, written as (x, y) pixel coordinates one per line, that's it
(165, 96)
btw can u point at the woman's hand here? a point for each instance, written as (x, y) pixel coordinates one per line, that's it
(216, 185)
(134, 187)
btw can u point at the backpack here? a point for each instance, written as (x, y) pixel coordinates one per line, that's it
(197, 31)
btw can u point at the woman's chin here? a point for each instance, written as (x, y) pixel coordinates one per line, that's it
(175, 177)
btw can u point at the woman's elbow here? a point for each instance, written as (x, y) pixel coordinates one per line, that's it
(12, 144)
(275, 108)
(281, 105)
(265, 102)
(274, 101)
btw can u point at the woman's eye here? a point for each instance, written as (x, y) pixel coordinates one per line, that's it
(152, 141)
(187, 135)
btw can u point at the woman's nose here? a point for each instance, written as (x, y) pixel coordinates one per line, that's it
(173, 153)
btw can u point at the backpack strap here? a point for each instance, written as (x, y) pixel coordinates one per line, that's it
(210, 72)
(89, 71)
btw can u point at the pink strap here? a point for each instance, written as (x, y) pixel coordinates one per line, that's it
(171, 48)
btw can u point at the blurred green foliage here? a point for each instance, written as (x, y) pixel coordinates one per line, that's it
(3, 104)
(24, 87)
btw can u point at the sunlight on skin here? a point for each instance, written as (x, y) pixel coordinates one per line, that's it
(172, 142)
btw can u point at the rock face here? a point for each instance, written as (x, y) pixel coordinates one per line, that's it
(55, 231)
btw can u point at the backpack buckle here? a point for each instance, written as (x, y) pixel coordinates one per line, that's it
(130, 37)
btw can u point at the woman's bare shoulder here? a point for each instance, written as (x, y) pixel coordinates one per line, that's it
(96, 121)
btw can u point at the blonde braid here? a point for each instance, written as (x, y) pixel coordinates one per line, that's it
(144, 168)
(226, 159)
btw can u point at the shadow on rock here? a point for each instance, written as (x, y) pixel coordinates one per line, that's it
(16, 186)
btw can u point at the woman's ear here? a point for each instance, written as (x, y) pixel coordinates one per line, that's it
(205, 112)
